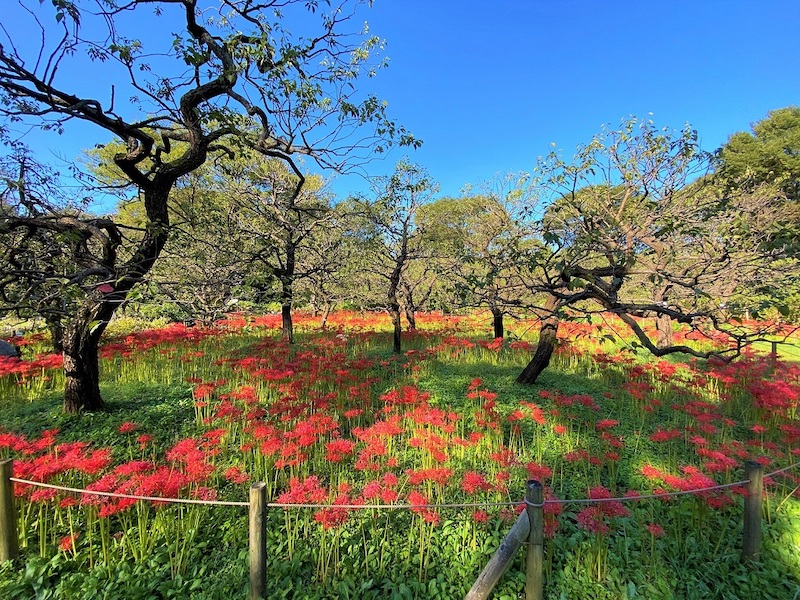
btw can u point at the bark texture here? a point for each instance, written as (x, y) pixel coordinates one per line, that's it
(545, 347)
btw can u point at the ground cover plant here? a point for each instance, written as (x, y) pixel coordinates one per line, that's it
(337, 419)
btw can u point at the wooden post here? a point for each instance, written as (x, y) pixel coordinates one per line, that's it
(775, 349)
(534, 504)
(258, 541)
(9, 538)
(751, 546)
(500, 560)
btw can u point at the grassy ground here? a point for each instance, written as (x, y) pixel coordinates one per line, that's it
(338, 419)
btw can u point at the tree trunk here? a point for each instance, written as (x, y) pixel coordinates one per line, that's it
(664, 329)
(326, 312)
(545, 347)
(56, 335)
(394, 303)
(497, 322)
(287, 331)
(394, 313)
(411, 317)
(83, 332)
(287, 294)
(81, 364)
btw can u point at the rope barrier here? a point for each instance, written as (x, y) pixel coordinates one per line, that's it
(286, 505)
(633, 498)
(789, 468)
(129, 496)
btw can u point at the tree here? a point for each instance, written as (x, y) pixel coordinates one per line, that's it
(622, 215)
(480, 244)
(235, 80)
(770, 154)
(390, 231)
(50, 248)
(265, 202)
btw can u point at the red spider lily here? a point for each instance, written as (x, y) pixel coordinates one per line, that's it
(236, 475)
(338, 450)
(504, 458)
(613, 508)
(537, 414)
(576, 456)
(308, 491)
(331, 518)
(480, 516)
(605, 424)
(128, 427)
(474, 482)
(538, 472)
(661, 436)
(418, 503)
(372, 490)
(651, 472)
(437, 476)
(133, 468)
(408, 395)
(611, 440)
(656, 530)
(593, 520)
(205, 493)
(15, 442)
(67, 543)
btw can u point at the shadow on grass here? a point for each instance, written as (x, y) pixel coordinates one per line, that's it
(151, 407)
(449, 382)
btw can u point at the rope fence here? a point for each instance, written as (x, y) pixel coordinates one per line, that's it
(527, 530)
(287, 505)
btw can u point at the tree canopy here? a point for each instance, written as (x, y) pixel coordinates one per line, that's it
(230, 77)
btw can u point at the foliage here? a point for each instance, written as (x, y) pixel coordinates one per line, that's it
(623, 228)
(770, 153)
(233, 78)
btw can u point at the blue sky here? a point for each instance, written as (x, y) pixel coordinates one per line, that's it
(489, 86)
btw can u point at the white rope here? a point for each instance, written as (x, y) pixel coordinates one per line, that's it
(129, 496)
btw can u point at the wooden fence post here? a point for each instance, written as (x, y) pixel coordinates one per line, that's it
(500, 560)
(9, 539)
(534, 505)
(751, 546)
(258, 541)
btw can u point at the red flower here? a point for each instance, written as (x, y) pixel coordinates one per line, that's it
(606, 424)
(475, 482)
(236, 475)
(67, 542)
(128, 427)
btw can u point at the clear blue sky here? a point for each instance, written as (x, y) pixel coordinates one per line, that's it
(489, 85)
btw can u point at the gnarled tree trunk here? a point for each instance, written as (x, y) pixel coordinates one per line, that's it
(546, 345)
(82, 334)
(80, 352)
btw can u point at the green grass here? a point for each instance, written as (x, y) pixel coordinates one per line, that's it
(202, 552)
